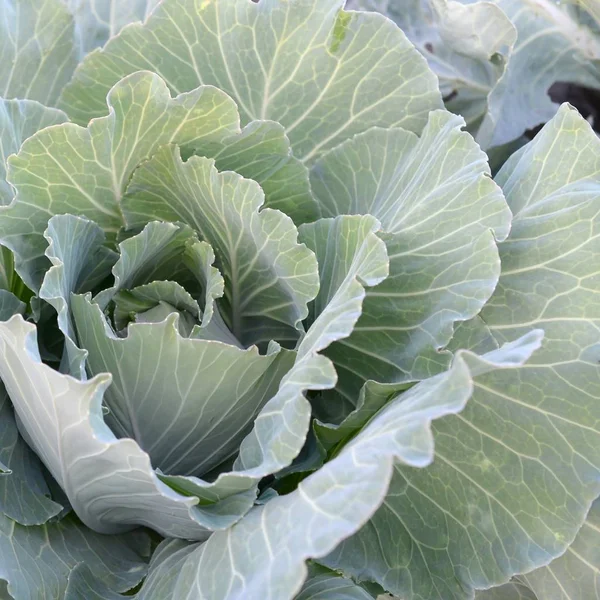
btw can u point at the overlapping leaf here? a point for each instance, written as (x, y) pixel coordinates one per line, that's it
(20, 119)
(83, 171)
(38, 50)
(323, 73)
(438, 207)
(269, 277)
(263, 555)
(466, 44)
(553, 44)
(35, 562)
(24, 494)
(516, 471)
(97, 21)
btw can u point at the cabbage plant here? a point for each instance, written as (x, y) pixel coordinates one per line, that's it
(269, 328)
(497, 60)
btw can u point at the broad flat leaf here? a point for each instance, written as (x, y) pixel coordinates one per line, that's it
(575, 574)
(38, 49)
(263, 555)
(36, 561)
(20, 119)
(437, 207)
(466, 45)
(332, 587)
(572, 576)
(187, 402)
(168, 557)
(97, 21)
(269, 277)
(24, 494)
(323, 73)
(516, 472)
(86, 459)
(553, 44)
(79, 261)
(83, 171)
(509, 591)
(555, 240)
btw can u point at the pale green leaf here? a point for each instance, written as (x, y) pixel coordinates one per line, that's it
(131, 305)
(24, 494)
(86, 459)
(262, 152)
(473, 335)
(20, 119)
(516, 472)
(10, 305)
(331, 587)
(187, 402)
(96, 21)
(156, 253)
(199, 258)
(576, 574)
(269, 277)
(164, 567)
(83, 171)
(350, 257)
(38, 49)
(553, 44)
(336, 500)
(79, 261)
(437, 207)
(323, 73)
(36, 561)
(466, 44)
(509, 591)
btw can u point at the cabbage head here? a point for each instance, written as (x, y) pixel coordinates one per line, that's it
(269, 329)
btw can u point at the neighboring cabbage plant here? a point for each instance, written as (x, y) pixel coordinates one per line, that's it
(270, 330)
(498, 59)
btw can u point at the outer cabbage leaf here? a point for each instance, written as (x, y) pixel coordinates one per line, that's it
(331, 587)
(553, 44)
(323, 73)
(514, 590)
(109, 482)
(35, 562)
(575, 574)
(466, 44)
(38, 49)
(269, 277)
(497, 75)
(437, 207)
(516, 471)
(20, 119)
(572, 576)
(263, 555)
(24, 493)
(97, 21)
